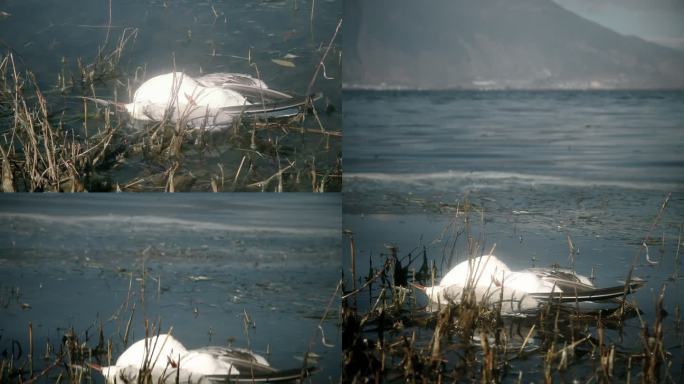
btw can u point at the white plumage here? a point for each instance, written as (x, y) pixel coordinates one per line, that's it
(212, 100)
(166, 360)
(492, 281)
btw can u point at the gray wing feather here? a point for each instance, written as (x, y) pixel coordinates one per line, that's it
(243, 360)
(575, 288)
(230, 79)
(565, 279)
(271, 377)
(594, 294)
(292, 102)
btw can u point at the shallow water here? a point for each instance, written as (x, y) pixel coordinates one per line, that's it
(47, 38)
(600, 160)
(535, 168)
(593, 137)
(78, 262)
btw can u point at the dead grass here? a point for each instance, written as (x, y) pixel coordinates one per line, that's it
(38, 153)
(77, 356)
(388, 337)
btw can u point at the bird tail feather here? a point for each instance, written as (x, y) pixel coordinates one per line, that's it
(268, 377)
(597, 294)
(273, 106)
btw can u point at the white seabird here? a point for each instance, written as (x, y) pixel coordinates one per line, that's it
(166, 360)
(212, 100)
(492, 282)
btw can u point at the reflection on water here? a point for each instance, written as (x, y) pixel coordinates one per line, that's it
(199, 263)
(548, 177)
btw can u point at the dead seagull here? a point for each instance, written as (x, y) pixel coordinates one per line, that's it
(212, 101)
(519, 291)
(163, 359)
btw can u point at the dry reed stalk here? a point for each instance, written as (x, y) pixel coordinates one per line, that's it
(319, 327)
(675, 272)
(237, 174)
(128, 326)
(263, 184)
(7, 177)
(654, 350)
(30, 353)
(321, 62)
(3, 364)
(279, 188)
(52, 159)
(311, 15)
(352, 250)
(313, 174)
(246, 323)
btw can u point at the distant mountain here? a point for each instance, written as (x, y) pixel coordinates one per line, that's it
(442, 44)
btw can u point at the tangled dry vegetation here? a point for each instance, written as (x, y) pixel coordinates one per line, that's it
(388, 336)
(78, 355)
(59, 140)
(74, 355)
(38, 153)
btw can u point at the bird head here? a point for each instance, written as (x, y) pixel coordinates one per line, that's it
(130, 108)
(110, 373)
(434, 293)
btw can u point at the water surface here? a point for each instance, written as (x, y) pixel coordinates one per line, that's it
(198, 263)
(533, 169)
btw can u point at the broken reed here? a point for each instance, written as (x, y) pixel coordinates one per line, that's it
(39, 152)
(389, 339)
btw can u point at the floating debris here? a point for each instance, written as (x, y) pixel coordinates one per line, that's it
(200, 278)
(284, 63)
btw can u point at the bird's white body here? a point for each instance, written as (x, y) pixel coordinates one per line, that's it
(492, 282)
(479, 271)
(484, 276)
(156, 348)
(166, 360)
(183, 95)
(212, 100)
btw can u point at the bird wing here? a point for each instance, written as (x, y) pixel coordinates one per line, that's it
(223, 79)
(273, 106)
(271, 377)
(254, 90)
(594, 294)
(253, 368)
(564, 279)
(254, 94)
(242, 359)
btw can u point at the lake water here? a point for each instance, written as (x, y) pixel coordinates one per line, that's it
(194, 262)
(48, 38)
(536, 169)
